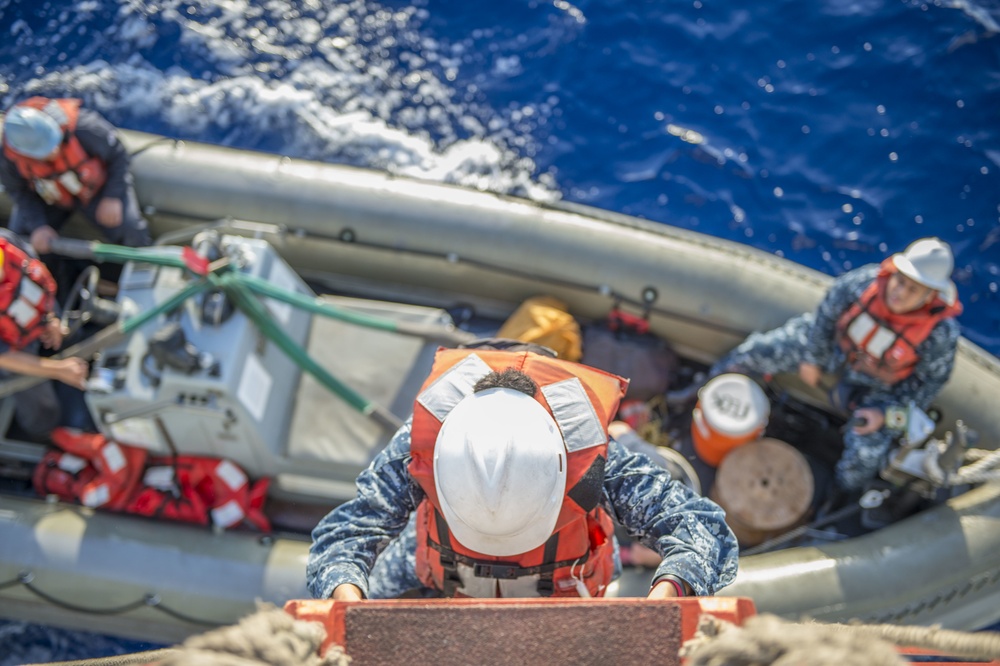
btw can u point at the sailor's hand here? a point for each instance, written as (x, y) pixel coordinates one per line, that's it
(42, 237)
(347, 592)
(810, 373)
(109, 212)
(73, 372)
(869, 419)
(665, 589)
(52, 336)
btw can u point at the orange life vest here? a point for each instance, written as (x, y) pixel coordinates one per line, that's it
(98, 472)
(89, 469)
(881, 343)
(27, 296)
(577, 560)
(200, 489)
(72, 176)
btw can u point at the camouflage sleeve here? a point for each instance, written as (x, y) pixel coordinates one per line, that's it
(937, 358)
(100, 139)
(844, 291)
(30, 209)
(688, 531)
(347, 541)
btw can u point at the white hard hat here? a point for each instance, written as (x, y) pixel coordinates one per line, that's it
(31, 132)
(930, 262)
(500, 472)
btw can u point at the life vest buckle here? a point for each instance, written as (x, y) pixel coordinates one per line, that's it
(497, 570)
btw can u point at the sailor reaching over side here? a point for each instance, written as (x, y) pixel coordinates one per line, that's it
(515, 487)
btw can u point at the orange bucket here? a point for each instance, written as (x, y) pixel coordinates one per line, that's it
(731, 410)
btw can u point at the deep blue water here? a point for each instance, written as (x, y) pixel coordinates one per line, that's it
(831, 132)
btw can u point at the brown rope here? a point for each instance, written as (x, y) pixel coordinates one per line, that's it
(766, 640)
(270, 637)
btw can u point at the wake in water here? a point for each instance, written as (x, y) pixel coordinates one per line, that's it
(351, 82)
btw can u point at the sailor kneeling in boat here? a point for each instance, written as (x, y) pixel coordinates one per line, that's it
(504, 484)
(58, 158)
(888, 330)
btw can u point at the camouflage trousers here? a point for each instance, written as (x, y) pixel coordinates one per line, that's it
(395, 570)
(780, 351)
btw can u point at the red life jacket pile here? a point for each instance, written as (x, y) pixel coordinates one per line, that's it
(100, 473)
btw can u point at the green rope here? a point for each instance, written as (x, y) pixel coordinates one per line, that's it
(139, 320)
(314, 305)
(240, 288)
(120, 254)
(257, 313)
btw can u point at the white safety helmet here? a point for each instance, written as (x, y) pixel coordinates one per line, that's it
(500, 472)
(930, 262)
(31, 132)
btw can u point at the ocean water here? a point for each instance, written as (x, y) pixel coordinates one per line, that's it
(831, 132)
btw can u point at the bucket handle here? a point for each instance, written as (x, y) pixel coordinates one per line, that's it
(699, 423)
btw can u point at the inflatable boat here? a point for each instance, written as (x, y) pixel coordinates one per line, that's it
(356, 278)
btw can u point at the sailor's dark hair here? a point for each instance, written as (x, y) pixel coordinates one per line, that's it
(510, 378)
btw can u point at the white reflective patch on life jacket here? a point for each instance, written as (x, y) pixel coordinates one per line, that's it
(55, 110)
(860, 328)
(71, 182)
(228, 514)
(867, 335)
(23, 313)
(97, 496)
(575, 414)
(31, 292)
(70, 463)
(231, 475)
(453, 386)
(48, 190)
(160, 478)
(881, 341)
(114, 459)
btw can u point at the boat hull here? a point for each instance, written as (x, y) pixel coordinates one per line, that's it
(380, 236)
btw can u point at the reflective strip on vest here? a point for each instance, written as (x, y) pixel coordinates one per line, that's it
(97, 496)
(453, 386)
(24, 310)
(55, 110)
(228, 514)
(114, 459)
(70, 463)
(573, 411)
(874, 342)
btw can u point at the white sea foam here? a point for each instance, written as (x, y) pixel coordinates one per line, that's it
(353, 83)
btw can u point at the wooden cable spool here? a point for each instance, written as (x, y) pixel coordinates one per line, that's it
(766, 488)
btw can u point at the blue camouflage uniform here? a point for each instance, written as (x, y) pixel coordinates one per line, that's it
(687, 530)
(812, 338)
(99, 139)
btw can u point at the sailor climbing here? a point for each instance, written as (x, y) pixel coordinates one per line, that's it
(58, 158)
(514, 485)
(888, 330)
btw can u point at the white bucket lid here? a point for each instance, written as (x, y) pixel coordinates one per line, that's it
(734, 405)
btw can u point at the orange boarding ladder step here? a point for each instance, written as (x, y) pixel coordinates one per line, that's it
(515, 631)
(501, 632)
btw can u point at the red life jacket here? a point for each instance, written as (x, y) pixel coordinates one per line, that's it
(72, 176)
(200, 490)
(881, 343)
(90, 469)
(27, 296)
(577, 560)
